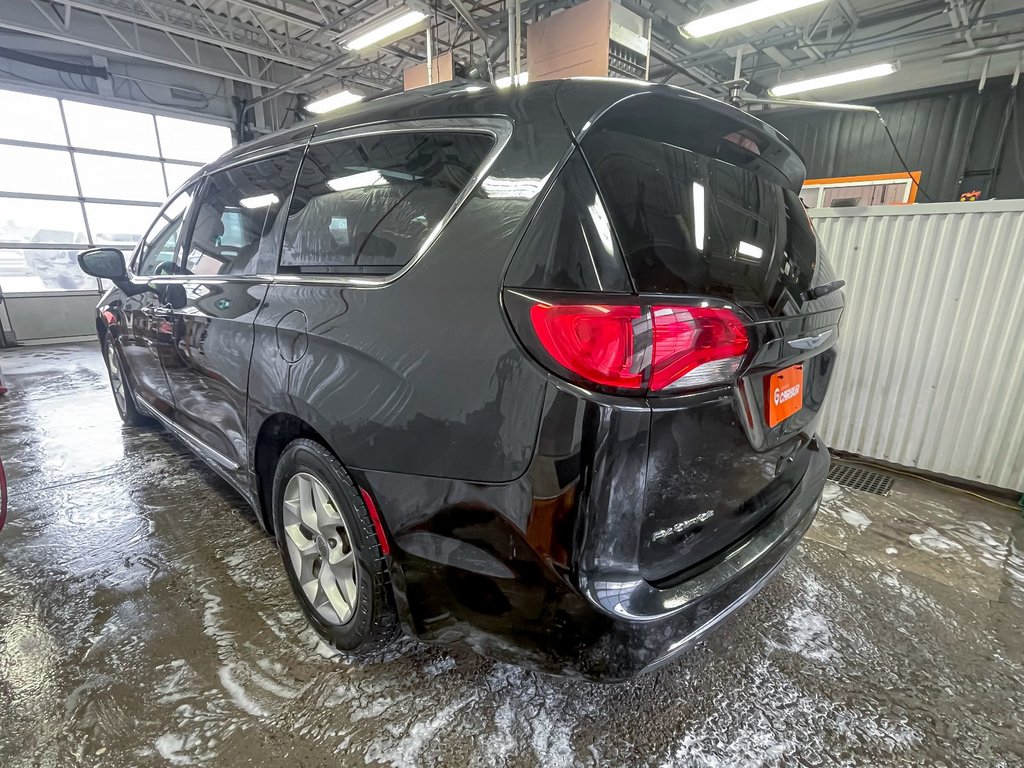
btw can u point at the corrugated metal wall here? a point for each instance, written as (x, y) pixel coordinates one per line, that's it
(931, 370)
(931, 131)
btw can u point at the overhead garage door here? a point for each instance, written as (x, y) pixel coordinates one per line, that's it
(78, 174)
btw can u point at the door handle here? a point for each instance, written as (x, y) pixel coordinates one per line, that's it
(154, 312)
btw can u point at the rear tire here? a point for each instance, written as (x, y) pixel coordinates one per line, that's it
(330, 551)
(124, 396)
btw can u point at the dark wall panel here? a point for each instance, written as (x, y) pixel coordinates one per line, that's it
(932, 131)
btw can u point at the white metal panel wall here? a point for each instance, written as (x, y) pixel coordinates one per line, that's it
(931, 367)
(57, 315)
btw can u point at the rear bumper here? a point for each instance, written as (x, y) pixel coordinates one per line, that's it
(658, 625)
(479, 574)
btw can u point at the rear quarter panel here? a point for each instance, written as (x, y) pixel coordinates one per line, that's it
(421, 375)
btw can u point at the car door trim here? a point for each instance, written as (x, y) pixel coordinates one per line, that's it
(191, 440)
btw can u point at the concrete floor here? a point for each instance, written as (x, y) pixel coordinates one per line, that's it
(145, 620)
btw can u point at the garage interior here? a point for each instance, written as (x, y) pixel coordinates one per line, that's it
(144, 616)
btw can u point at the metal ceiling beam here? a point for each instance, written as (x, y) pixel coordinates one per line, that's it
(101, 34)
(220, 40)
(188, 31)
(293, 84)
(277, 13)
(327, 23)
(269, 42)
(465, 13)
(228, 25)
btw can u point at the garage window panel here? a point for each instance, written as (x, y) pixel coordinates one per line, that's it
(191, 140)
(75, 174)
(31, 118)
(41, 221)
(109, 128)
(15, 271)
(118, 178)
(36, 171)
(177, 174)
(112, 224)
(54, 269)
(30, 225)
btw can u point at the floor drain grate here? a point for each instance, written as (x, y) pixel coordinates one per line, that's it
(860, 479)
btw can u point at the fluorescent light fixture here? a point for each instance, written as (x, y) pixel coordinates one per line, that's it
(749, 250)
(385, 30)
(332, 102)
(521, 79)
(837, 78)
(698, 215)
(742, 14)
(357, 181)
(604, 229)
(260, 201)
(512, 189)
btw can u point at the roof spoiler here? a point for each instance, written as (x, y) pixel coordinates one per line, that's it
(689, 120)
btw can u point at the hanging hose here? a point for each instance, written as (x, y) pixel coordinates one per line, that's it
(903, 162)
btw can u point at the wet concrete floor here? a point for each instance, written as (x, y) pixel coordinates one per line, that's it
(145, 620)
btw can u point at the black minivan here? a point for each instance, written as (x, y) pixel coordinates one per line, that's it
(534, 371)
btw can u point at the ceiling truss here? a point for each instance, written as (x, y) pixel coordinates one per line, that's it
(268, 44)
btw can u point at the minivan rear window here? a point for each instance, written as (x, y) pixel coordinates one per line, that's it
(687, 223)
(365, 206)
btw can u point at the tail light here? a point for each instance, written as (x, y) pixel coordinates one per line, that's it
(596, 341)
(695, 346)
(632, 346)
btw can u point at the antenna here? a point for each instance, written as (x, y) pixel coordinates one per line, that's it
(739, 98)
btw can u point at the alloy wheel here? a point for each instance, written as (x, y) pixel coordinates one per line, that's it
(320, 548)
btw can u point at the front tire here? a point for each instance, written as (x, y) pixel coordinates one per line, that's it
(124, 397)
(330, 551)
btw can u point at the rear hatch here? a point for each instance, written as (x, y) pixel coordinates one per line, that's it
(672, 263)
(703, 204)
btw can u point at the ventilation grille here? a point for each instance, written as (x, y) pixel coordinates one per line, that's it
(859, 479)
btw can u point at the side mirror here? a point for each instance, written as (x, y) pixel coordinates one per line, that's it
(107, 263)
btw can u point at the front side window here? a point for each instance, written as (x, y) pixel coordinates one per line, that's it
(160, 245)
(237, 228)
(365, 206)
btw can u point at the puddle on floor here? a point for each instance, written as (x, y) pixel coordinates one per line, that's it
(145, 620)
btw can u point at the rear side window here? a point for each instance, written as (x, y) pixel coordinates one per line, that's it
(569, 245)
(238, 220)
(687, 223)
(365, 206)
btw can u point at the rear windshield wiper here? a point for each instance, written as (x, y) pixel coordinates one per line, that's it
(822, 290)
